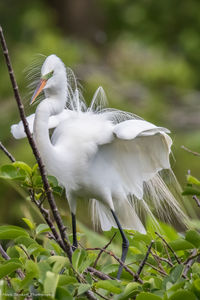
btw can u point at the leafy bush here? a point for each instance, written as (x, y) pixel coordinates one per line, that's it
(35, 266)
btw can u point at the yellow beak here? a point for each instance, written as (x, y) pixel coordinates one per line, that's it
(38, 90)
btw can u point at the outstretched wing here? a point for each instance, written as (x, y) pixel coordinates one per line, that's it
(18, 132)
(138, 153)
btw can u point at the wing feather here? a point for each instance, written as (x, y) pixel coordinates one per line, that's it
(138, 153)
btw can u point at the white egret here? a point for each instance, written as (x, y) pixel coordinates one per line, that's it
(107, 156)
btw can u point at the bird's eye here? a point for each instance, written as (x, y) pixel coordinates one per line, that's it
(47, 76)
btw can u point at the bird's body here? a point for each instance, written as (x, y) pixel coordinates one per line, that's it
(109, 160)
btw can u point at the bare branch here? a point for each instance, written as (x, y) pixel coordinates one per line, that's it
(119, 261)
(103, 297)
(46, 216)
(197, 200)
(189, 262)
(100, 253)
(162, 259)
(90, 295)
(190, 151)
(192, 256)
(7, 257)
(98, 273)
(61, 227)
(3, 148)
(157, 269)
(170, 248)
(142, 264)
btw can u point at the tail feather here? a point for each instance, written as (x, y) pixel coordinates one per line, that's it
(161, 201)
(102, 216)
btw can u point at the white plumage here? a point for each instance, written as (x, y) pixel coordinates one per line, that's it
(107, 156)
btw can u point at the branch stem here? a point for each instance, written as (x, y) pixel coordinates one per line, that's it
(7, 257)
(170, 248)
(143, 262)
(57, 217)
(3, 148)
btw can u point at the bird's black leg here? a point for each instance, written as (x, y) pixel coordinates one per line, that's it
(125, 243)
(75, 243)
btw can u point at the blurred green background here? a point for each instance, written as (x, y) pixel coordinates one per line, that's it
(144, 53)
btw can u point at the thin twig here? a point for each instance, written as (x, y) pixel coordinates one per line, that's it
(7, 257)
(3, 148)
(119, 261)
(90, 295)
(97, 273)
(3, 253)
(170, 248)
(46, 215)
(100, 253)
(103, 297)
(190, 151)
(197, 200)
(142, 264)
(191, 257)
(156, 269)
(167, 252)
(162, 259)
(24, 250)
(61, 227)
(189, 263)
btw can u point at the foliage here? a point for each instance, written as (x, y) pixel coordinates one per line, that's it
(170, 272)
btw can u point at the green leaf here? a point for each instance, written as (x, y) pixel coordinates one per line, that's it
(56, 247)
(192, 180)
(32, 271)
(50, 283)
(168, 231)
(110, 268)
(176, 273)
(83, 288)
(181, 244)
(26, 241)
(58, 190)
(9, 266)
(85, 261)
(32, 267)
(66, 279)
(109, 285)
(59, 262)
(63, 294)
(147, 296)
(52, 181)
(37, 181)
(196, 287)
(183, 295)
(11, 172)
(130, 290)
(36, 249)
(42, 228)
(8, 232)
(35, 168)
(193, 237)
(43, 268)
(78, 257)
(190, 191)
(145, 238)
(88, 278)
(30, 224)
(23, 166)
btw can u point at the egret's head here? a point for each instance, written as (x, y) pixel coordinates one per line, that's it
(53, 75)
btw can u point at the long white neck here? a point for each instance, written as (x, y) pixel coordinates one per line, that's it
(48, 107)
